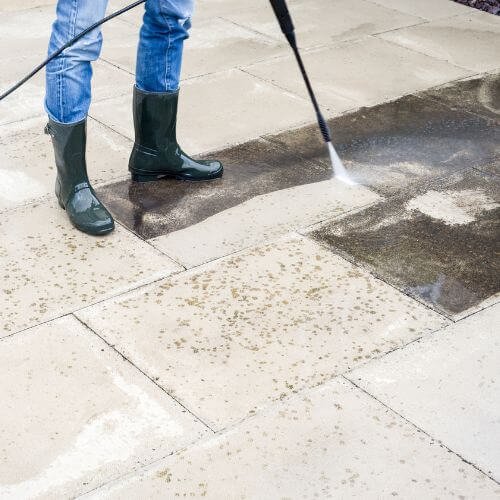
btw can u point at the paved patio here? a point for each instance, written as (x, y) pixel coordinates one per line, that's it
(275, 333)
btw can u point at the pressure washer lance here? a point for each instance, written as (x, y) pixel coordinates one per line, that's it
(69, 44)
(285, 20)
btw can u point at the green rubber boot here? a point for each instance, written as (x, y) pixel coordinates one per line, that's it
(156, 153)
(73, 189)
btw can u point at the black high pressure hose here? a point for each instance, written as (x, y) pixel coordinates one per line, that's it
(69, 44)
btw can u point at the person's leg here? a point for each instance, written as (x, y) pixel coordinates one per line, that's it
(159, 56)
(68, 76)
(67, 102)
(156, 153)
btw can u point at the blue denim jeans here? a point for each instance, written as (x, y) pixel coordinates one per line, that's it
(165, 26)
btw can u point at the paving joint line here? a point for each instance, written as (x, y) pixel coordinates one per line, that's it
(347, 257)
(411, 49)
(140, 370)
(419, 429)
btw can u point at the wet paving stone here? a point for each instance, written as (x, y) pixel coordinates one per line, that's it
(402, 145)
(439, 246)
(252, 169)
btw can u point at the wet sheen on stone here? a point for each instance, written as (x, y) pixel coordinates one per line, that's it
(402, 145)
(252, 169)
(439, 245)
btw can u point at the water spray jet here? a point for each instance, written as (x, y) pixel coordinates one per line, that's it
(287, 27)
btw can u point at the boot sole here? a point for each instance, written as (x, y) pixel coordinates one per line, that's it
(137, 177)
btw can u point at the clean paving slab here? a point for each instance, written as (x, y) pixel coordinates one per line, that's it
(75, 414)
(437, 244)
(367, 71)
(49, 268)
(325, 21)
(426, 9)
(27, 165)
(218, 110)
(332, 442)
(447, 385)
(24, 4)
(470, 40)
(214, 45)
(403, 146)
(234, 335)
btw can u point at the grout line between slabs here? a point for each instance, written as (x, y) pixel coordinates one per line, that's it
(419, 429)
(155, 382)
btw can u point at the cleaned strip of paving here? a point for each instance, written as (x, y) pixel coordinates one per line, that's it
(75, 414)
(365, 71)
(332, 442)
(230, 337)
(447, 385)
(470, 40)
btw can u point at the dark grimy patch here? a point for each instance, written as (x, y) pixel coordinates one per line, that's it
(477, 95)
(252, 169)
(402, 145)
(397, 149)
(451, 266)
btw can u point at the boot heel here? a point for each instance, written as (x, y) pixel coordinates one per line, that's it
(144, 177)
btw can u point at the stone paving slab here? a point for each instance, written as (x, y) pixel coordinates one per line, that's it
(218, 110)
(50, 269)
(438, 246)
(214, 45)
(324, 22)
(470, 40)
(333, 442)
(27, 169)
(234, 335)
(366, 71)
(401, 147)
(447, 385)
(426, 9)
(265, 192)
(75, 414)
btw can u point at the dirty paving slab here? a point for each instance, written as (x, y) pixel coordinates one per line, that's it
(331, 442)
(476, 95)
(401, 146)
(232, 336)
(264, 193)
(447, 385)
(439, 246)
(76, 415)
(48, 268)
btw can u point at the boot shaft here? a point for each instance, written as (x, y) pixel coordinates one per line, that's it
(70, 143)
(155, 119)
